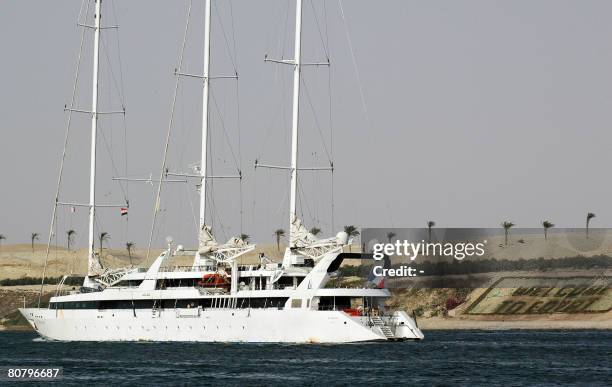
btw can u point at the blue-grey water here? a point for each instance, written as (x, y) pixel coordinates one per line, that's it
(444, 358)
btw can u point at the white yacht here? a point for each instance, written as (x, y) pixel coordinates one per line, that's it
(215, 299)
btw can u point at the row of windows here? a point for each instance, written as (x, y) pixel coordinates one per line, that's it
(272, 302)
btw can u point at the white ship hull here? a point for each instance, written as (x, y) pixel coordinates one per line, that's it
(215, 325)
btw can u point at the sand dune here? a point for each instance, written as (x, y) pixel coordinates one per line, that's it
(17, 261)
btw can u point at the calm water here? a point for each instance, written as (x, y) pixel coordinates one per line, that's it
(444, 358)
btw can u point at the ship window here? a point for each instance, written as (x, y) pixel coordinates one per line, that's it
(129, 283)
(126, 304)
(177, 283)
(75, 305)
(296, 303)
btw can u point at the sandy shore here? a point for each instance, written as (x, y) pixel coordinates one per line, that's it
(544, 323)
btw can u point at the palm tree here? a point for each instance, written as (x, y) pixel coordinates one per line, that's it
(70, 234)
(279, 234)
(245, 237)
(315, 231)
(352, 232)
(104, 236)
(129, 246)
(34, 237)
(546, 224)
(2, 238)
(590, 216)
(430, 224)
(390, 235)
(507, 225)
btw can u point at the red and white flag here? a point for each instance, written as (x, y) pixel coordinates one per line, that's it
(124, 211)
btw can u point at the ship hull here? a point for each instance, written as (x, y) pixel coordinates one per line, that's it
(214, 325)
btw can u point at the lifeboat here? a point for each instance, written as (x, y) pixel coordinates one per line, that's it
(352, 312)
(215, 280)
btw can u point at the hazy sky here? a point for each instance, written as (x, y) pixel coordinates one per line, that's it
(477, 112)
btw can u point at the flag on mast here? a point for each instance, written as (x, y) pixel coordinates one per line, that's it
(124, 211)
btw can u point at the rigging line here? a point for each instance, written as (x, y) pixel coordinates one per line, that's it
(209, 185)
(193, 212)
(316, 119)
(315, 183)
(284, 34)
(229, 52)
(281, 204)
(110, 153)
(121, 96)
(241, 209)
(277, 116)
(303, 196)
(326, 24)
(186, 131)
(231, 7)
(119, 52)
(63, 158)
(125, 146)
(254, 202)
(213, 211)
(79, 20)
(239, 152)
(332, 203)
(316, 17)
(350, 43)
(163, 166)
(331, 122)
(111, 72)
(237, 164)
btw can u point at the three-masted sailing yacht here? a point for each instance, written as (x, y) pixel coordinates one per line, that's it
(217, 300)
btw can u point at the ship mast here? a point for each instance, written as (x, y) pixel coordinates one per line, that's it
(206, 78)
(93, 262)
(296, 115)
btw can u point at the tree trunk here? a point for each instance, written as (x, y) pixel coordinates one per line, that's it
(587, 229)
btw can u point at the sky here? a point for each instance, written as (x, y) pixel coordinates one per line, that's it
(468, 113)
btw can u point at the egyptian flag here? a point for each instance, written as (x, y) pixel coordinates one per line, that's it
(124, 211)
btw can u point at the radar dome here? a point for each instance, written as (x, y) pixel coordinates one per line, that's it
(342, 238)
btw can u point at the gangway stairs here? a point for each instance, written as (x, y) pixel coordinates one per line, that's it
(377, 321)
